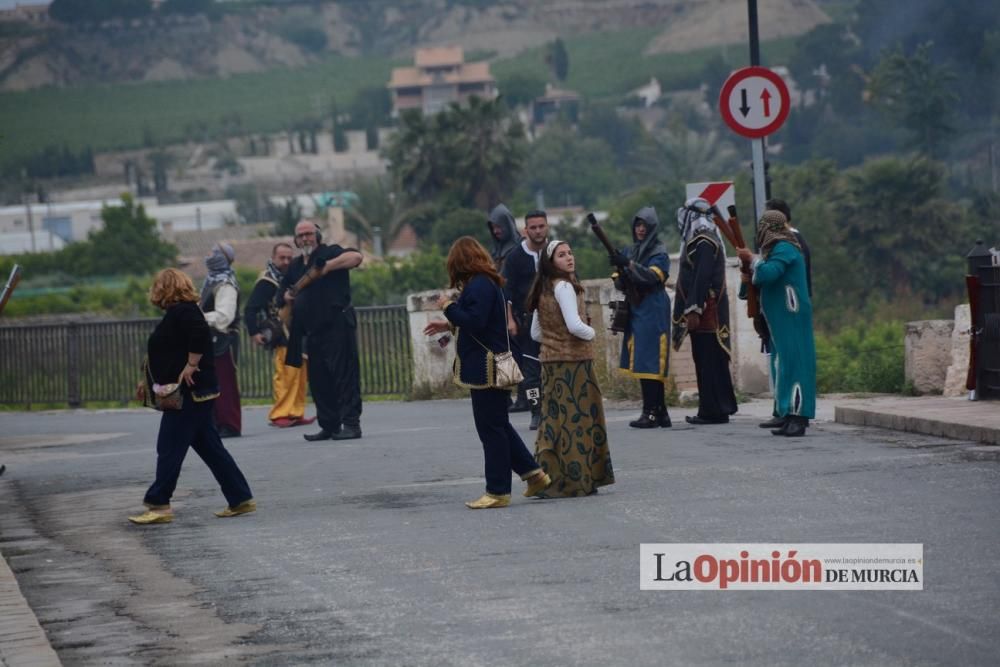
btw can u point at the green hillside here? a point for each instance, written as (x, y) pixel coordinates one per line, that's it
(605, 65)
(125, 115)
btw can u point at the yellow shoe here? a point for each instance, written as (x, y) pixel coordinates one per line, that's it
(488, 501)
(245, 507)
(149, 517)
(541, 483)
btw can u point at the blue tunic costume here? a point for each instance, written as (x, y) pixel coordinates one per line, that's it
(645, 353)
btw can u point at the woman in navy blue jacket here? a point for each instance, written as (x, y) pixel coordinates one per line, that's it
(479, 318)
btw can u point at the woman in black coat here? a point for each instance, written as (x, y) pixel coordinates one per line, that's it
(479, 316)
(180, 351)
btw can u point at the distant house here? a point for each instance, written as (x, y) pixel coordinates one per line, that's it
(58, 223)
(439, 77)
(16, 243)
(648, 93)
(555, 104)
(36, 13)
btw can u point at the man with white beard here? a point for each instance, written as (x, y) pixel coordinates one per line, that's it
(322, 312)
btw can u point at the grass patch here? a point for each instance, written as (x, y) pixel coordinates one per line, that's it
(608, 65)
(112, 117)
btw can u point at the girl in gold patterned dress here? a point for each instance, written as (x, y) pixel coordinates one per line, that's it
(572, 444)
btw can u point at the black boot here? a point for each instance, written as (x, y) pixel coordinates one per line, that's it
(795, 427)
(773, 422)
(521, 404)
(648, 419)
(536, 419)
(315, 437)
(348, 432)
(663, 419)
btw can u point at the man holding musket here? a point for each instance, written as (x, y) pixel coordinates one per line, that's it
(701, 310)
(641, 275)
(318, 285)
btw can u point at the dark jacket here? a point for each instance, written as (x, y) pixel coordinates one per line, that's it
(644, 352)
(807, 255)
(519, 273)
(322, 303)
(701, 289)
(262, 309)
(510, 238)
(183, 329)
(260, 304)
(479, 313)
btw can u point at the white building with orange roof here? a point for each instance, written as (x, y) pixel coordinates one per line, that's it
(439, 77)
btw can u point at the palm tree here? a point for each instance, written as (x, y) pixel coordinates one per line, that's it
(488, 151)
(474, 151)
(414, 156)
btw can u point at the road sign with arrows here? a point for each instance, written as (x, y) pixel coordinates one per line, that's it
(754, 102)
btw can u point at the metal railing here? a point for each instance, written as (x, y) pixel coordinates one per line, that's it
(80, 362)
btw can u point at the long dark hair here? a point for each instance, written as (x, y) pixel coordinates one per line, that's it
(547, 276)
(468, 258)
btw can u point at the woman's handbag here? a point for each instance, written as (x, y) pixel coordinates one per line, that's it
(505, 371)
(160, 396)
(168, 396)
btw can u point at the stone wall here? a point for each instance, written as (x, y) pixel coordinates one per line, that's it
(928, 354)
(432, 363)
(958, 370)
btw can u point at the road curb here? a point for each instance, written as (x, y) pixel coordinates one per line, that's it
(941, 417)
(23, 643)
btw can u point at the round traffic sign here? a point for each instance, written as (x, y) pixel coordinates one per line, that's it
(754, 102)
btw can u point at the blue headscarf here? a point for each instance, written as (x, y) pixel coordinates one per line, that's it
(220, 270)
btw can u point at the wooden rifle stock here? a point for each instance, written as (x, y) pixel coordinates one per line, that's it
(285, 312)
(8, 289)
(972, 285)
(601, 236)
(733, 233)
(725, 230)
(753, 294)
(734, 223)
(631, 293)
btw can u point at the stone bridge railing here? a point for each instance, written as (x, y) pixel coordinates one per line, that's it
(432, 364)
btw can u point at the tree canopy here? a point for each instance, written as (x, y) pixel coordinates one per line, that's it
(472, 154)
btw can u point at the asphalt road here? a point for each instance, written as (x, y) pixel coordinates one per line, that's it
(362, 552)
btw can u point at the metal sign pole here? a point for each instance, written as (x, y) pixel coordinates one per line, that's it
(759, 178)
(757, 145)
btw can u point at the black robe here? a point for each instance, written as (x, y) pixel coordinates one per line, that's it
(701, 288)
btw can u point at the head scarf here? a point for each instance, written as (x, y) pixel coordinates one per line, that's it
(694, 219)
(649, 246)
(773, 227)
(220, 270)
(509, 238)
(273, 273)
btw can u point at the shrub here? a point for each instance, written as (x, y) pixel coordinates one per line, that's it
(864, 357)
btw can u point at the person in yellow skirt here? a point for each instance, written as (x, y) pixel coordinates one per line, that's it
(266, 330)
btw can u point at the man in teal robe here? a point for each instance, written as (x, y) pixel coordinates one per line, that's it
(780, 275)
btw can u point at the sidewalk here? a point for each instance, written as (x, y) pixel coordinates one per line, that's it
(23, 643)
(978, 421)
